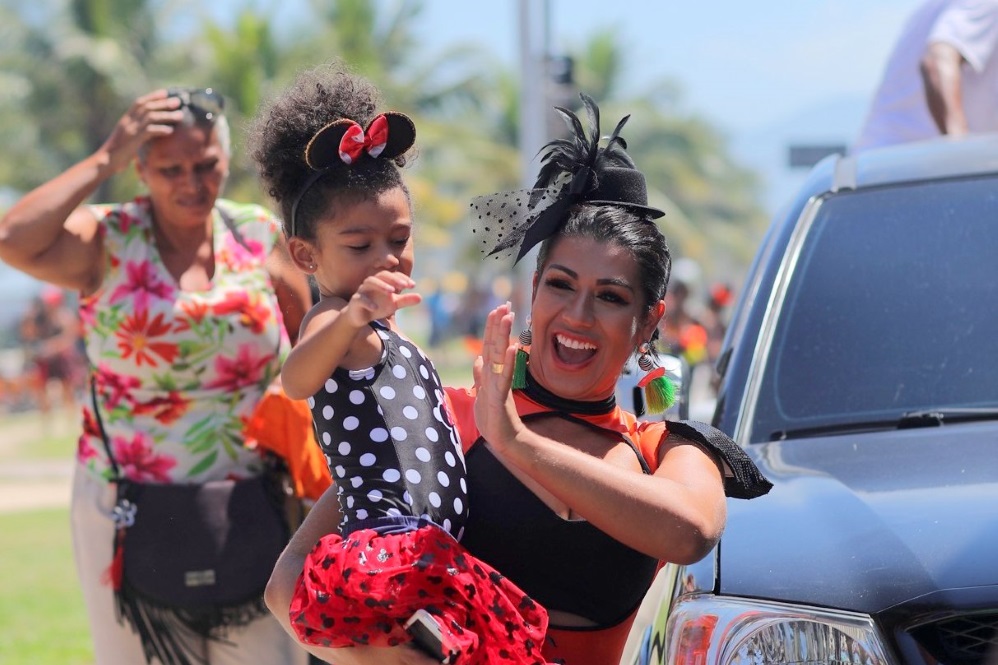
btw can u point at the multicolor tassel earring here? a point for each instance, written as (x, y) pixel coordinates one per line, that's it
(522, 356)
(660, 392)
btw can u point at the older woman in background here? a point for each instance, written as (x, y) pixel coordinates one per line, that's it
(188, 306)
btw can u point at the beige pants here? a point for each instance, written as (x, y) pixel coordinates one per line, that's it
(262, 642)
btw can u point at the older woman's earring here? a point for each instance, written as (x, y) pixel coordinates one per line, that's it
(660, 393)
(522, 356)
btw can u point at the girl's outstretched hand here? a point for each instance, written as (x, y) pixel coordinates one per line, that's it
(380, 296)
(495, 412)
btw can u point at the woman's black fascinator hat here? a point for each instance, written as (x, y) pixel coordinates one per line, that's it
(576, 169)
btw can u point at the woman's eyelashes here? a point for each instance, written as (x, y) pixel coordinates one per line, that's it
(606, 295)
(560, 284)
(613, 297)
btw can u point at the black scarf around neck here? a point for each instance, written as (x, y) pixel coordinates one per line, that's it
(545, 397)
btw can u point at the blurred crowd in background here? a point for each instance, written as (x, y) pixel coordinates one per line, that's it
(42, 366)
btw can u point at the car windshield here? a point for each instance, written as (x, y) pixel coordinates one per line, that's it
(892, 309)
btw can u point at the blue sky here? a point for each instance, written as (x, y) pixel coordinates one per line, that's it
(744, 64)
(766, 73)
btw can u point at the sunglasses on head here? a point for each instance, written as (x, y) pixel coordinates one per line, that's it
(203, 102)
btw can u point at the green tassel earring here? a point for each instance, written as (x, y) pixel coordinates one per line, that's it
(660, 392)
(522, 356)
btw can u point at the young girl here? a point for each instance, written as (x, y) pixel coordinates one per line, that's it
(332, 163)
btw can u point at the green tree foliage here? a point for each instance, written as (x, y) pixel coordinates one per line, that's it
(69, 68)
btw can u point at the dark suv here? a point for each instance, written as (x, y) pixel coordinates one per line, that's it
(861, 373)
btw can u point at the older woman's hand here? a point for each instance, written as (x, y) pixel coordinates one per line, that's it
(150, 116)
(495, 413)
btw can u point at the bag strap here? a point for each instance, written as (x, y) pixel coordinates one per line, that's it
(100, 425)
(230, 224)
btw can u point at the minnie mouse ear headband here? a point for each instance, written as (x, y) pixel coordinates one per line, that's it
(574, 170)
(344, 142)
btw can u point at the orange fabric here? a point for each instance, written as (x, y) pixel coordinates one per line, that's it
(284, 426)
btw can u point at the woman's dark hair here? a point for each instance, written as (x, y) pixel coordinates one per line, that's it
(283, 129)
(624, 228)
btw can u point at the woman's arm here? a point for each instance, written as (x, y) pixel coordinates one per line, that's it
(47, 235)
(675, 515)
(293, 295)
(322, 519)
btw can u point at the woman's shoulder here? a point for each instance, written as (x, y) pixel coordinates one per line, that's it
(250, 220)
(244, 213)
(124, 216)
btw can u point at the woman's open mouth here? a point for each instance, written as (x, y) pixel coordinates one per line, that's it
(572, 351)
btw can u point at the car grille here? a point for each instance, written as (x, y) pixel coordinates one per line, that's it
(970, 639)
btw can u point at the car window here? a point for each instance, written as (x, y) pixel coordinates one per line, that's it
(892, 308)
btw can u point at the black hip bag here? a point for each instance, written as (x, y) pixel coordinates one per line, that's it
(192, 559)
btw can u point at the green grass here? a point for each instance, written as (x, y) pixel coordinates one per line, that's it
(32, 436)
(42, 618)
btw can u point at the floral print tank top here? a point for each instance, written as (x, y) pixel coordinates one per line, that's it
(178, 373)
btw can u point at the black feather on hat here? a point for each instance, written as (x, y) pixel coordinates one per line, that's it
(574, 170)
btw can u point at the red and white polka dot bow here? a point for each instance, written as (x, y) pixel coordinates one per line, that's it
(356, 141)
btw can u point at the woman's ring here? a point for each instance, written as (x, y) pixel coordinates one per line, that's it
(497, 368)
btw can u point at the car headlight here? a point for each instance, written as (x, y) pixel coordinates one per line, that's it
(707, 630)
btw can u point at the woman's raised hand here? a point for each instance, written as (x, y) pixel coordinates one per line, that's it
(149, 116)
(495, 413)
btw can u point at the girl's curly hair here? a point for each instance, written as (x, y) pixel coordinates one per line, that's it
(283, 128)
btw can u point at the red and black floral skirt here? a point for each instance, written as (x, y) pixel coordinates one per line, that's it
(361, 591)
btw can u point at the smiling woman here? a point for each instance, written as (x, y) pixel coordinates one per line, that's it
(570, 497)
(184, 298)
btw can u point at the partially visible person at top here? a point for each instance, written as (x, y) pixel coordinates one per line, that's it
(184, 300)
(50, 333)
(572, 498)
(331, 158)
(941, 77)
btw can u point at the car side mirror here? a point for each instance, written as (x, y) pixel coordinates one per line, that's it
(631, 397)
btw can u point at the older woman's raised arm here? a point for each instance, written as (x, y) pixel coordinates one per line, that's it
(47, 235)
